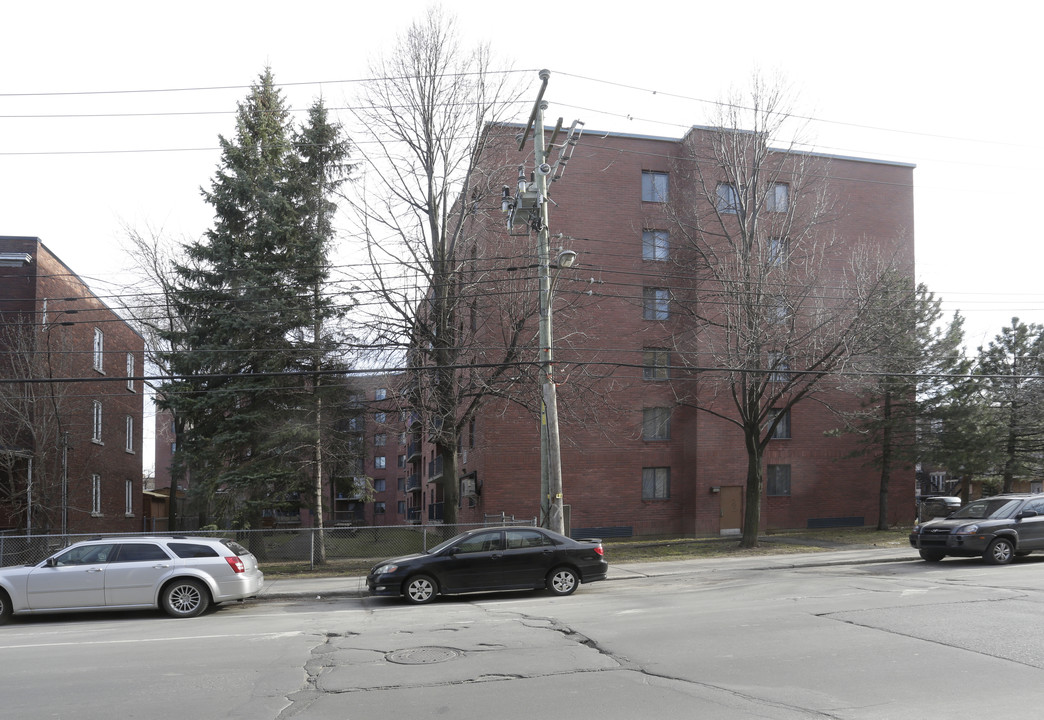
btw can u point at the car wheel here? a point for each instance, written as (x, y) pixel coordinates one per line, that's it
(562, 581)
(932, 555)
(420, 589)
(185, 598)
(5, 608)
(999, 552)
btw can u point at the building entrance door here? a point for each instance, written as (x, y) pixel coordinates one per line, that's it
(731, 510)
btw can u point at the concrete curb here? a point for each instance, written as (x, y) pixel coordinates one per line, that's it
(355, 586)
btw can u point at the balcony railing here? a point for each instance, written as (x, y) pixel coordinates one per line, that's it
(413, 483)
(435, 468)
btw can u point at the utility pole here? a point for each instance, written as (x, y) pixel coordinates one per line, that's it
(530, 206)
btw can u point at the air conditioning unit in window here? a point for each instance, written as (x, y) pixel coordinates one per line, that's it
(467, 487)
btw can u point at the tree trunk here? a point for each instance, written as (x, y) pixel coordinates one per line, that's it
(752, 504)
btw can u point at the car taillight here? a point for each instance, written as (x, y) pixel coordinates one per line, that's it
(599, 550)
(236, 564)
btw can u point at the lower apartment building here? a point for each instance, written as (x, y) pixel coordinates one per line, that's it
(72, 401)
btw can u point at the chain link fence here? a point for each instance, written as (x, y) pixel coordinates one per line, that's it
(353, 549)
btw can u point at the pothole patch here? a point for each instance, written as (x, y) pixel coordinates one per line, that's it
(422, 655)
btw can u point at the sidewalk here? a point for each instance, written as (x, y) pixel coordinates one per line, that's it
(355, 586)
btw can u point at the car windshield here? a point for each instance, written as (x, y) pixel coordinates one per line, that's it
(987, 508)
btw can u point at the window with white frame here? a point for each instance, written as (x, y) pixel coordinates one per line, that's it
(656, 303)
(379, 462)
(656, 483)
(381, 394)
(656, 423)
(776, 251)
(655, 244)
(654, 186)
(129, 445)
(728, 198)
(96, 495)
(99, 350)
(129, 499)
(130, 371)
(96, 422)
(778, 197)
(777, 480)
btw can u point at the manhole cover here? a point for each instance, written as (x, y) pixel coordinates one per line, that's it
(422, 655)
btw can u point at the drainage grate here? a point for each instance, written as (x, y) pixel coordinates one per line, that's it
(422, 655)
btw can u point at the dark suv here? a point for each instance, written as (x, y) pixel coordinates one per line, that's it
(998, 528)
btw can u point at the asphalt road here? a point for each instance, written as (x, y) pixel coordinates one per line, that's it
(873, 641)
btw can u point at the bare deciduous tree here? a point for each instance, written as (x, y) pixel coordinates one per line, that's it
(777, 301)
(431, 114)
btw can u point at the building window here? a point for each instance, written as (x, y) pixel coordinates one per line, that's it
(656, 364)
(96, 425)
(99, 350)
(778, 480)
(655, 303)
(401, 461)
(381, 417)
(656, 423)
(380, 440)
(402, 438)
(782, 430)
(380, 485)
(378, 508)
(401, 507)
(402, 484)
(381, 394)
(655, 244)
(379, 462)
(129, 445)
(656, 483)
(96, 495)
(777, 251)
(778, 366)
(728, 199)
(130, 371)
(654, 186)
(778, 197)
(129, 499)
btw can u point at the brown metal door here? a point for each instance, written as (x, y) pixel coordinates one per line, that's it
(731, 510)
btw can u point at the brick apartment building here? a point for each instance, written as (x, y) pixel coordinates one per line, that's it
(617, 367)
(70, 452)
(606, 210)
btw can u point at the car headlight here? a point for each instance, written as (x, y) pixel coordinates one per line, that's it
(967, 530)
(916, 529)
(385, 569)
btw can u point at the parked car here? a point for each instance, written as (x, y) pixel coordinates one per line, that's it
(181, 575)
(998, 528)
(487, 559)
(937, 506)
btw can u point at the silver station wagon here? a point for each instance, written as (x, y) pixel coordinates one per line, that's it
(181, 575)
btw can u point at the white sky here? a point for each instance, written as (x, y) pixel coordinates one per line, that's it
(950, 86)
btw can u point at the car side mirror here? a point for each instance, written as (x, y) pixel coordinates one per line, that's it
(1028, 514)
(52, 562)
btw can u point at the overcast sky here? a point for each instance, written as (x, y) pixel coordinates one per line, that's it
(110, 111)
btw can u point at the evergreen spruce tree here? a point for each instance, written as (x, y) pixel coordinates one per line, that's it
(250, 293)
(1010, 367)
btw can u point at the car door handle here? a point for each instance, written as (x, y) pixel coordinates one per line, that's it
(496, 556)
(161, 565)
(95, 569)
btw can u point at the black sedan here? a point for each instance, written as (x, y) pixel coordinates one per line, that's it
(487, 559)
